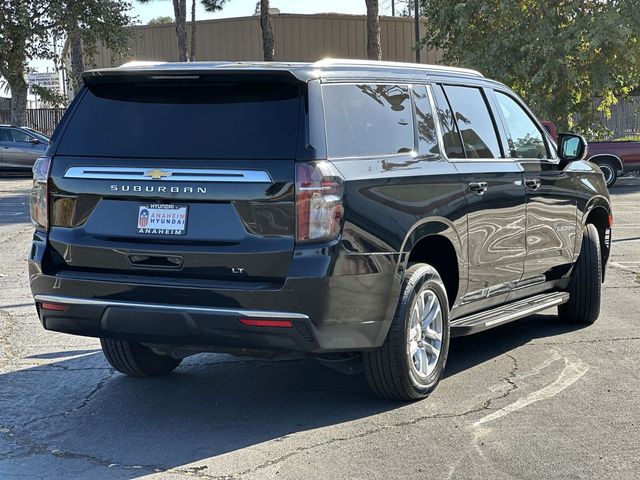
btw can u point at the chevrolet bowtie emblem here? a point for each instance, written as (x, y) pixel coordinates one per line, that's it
(157, 174)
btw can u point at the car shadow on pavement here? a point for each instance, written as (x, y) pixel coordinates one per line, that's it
(213, 404)
(466, 352)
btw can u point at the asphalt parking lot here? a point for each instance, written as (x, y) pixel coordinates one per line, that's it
(533, 399)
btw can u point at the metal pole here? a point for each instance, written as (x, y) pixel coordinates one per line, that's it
(417, 25)
(393, 8)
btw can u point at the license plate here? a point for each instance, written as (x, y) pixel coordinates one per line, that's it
(160, 219)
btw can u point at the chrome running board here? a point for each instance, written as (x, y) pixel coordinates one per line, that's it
(506, 313)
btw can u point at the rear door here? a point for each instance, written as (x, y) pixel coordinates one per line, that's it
(494, 194)
(189, 178)
(551, 197)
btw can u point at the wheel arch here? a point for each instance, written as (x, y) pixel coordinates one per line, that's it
(436, 241)
(598, 213)
(609, 156)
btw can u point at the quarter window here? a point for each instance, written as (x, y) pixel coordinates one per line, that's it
(368, 120)
(427, 140)
(526, 138)
(474, 122)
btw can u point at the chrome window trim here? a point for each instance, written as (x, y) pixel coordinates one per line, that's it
(165, 307)
(210, 175)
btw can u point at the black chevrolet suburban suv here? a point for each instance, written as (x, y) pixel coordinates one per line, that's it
(359, 212)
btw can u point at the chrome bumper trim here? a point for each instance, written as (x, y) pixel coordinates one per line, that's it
(163, 307)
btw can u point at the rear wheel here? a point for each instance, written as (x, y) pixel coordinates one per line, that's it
(585, 288)
(609, 170)
(136, 360)
(410, 363)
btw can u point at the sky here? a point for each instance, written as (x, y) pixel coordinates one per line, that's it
(243, 8)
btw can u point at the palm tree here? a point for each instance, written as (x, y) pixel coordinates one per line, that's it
(374, 51)
(267, 32)
(209, 6)
(180, 15)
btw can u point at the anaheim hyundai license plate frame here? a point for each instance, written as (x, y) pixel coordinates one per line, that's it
(162, 219)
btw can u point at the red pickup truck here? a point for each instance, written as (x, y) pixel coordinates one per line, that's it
(613, 158)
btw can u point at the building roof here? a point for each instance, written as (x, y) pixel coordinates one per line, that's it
(304, 71)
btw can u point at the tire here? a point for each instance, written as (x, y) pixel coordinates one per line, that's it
(392, 371)
(610, 171)
(585, 288)
(136, 360)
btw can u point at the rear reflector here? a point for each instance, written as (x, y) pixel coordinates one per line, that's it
(610, 221)
(252, 322)
(57, 307)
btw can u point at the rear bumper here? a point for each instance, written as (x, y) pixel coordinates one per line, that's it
(336, 302)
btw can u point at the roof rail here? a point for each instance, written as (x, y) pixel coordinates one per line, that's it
(375, 63)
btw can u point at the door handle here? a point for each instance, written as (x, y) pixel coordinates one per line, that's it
(478, 187)
(532, 183)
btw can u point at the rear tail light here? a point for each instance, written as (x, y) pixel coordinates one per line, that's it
(319, 195)
(38, 204)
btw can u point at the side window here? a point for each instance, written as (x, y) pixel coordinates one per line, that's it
(20, 136)
(427, 139)
(474, 122)
(5, 136)
(526, 139)
(368, 120)
(450, 136)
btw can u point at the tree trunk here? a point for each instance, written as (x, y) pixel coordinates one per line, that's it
(19, 90)
(192, 54)
(77, 59)
(267, 32)
(374, 51)
(180, 13)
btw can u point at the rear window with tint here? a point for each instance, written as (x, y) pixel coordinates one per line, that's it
(251, 119)
(368, 120)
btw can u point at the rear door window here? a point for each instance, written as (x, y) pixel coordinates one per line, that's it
(474, 121)
(368, 119)
(219, 119)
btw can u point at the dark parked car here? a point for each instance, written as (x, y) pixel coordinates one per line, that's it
(614, 158)
(20, 147)
(359, 212)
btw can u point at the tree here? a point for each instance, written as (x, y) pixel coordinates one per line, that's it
(374, 50)
(209, 6)
(28, 29)
(89, 22)
(267, 32)
(160, 20)
(24, 32)
(558, 55)
(180, 16)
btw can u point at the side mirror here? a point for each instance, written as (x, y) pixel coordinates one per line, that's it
(35, 141)
(571, 147)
